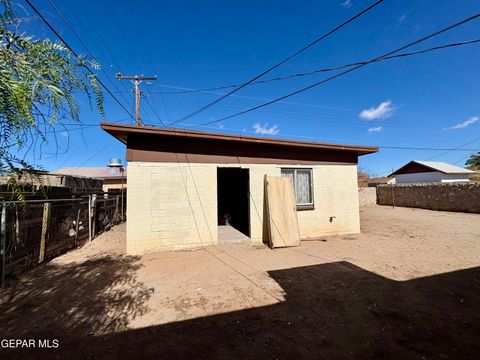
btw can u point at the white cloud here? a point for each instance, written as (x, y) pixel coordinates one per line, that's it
(347, 4)
(470, 121)
(402, 18)
(382, 111)
(375, 129)
(264, 129)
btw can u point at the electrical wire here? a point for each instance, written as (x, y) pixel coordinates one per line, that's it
(65, 20)
(264, 99)
(328, 69)
(149, 59)
(76, 55)
(324, 118)
(98, 36)
(316, 41)
(448, 28)
(132, 52)
(465, 158)
(425, 149)
(311, 138)
(95, 154)
(457, 148)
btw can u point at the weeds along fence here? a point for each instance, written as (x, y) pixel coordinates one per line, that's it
(34, 231)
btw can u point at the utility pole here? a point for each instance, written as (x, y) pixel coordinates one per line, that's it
(136, 80)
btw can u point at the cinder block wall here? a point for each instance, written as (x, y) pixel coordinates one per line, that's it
(336, 195)
(174, 206)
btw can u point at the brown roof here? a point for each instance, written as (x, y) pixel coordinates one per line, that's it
(91, 172)
(121, 132)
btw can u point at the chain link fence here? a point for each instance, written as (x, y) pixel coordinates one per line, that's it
(35, 231)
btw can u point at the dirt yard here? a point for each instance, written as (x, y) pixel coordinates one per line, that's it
(407, 287)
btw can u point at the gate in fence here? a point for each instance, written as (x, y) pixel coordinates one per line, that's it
(34, 231)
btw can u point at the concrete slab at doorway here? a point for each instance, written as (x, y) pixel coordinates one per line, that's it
(229, 235)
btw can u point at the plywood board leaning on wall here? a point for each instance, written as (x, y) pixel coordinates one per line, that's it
(281, 211)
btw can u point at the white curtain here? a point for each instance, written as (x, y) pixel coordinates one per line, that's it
(302, 184)
(303, 187)
(289, 174)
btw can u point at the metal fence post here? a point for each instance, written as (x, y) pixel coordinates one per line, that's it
(94, 215)
(89, 217)
(3, 233)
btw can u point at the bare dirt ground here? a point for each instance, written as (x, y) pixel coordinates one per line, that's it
(407, 287)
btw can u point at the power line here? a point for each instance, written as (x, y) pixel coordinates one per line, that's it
(299, 116)
(76, 55)
(94, 154)
(149, 59)
(103, 44)
(83, 44)
(137, 80)
(457, 148)
(426, 149)
(131, 50)
(263, 99)
(347, 71)
(113, 6)
(328, 69)
(281, 62)
(465, 158)
(311, 138)
(153, 108)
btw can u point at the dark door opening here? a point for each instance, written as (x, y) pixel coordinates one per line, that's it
(233, 198)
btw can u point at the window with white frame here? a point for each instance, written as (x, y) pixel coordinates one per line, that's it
(302, 184)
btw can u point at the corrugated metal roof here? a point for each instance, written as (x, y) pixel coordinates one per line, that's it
(445, 167)
(91, 172)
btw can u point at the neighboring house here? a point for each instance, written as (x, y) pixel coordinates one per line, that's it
(112, 177)
(37, 183)
(430, 172)
(183, 184)
(374, 182)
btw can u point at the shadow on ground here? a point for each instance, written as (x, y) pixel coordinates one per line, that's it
(93, 297)
(331, 311)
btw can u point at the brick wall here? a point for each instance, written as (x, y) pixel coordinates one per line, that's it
(173, 206)
(463, 197)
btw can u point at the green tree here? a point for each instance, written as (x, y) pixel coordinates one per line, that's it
(39, 84)
(473, 162)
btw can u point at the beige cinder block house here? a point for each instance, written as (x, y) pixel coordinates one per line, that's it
(183, 184)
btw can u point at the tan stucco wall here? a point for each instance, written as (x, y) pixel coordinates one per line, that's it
(174, 206)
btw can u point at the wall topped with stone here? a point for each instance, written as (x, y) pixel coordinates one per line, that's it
(461, 197)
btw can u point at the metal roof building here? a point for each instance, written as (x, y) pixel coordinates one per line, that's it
(417, 171)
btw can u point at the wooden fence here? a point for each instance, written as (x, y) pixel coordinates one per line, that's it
(35, 231)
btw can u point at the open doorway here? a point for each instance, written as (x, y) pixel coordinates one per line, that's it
(233, 199)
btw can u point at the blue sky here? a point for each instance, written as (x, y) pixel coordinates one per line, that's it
(429, 100)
